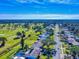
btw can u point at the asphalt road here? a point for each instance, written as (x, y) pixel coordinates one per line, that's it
(58, 46)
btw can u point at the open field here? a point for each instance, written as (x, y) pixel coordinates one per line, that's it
(12, 46)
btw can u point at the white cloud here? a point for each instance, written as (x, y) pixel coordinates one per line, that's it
(39, 16)
(53, 1)
(65, 1)
(22, 1)
(38, 2)
(60, 1)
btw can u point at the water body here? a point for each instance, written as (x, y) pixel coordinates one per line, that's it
(39, 21)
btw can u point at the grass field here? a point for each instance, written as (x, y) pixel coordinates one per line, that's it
(10, 34)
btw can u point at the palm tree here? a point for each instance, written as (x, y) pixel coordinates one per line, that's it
(22, 39)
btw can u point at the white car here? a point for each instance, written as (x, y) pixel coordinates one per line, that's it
(18, 57)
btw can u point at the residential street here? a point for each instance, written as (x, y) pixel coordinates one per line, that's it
(58, 46)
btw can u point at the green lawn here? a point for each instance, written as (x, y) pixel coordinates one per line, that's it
(10, 34)
(10, 42)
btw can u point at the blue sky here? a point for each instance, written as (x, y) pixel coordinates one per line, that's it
(39, 7)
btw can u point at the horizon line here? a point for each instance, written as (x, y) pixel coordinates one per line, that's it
(39, 16)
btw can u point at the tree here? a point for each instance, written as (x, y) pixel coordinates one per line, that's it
(47, 43)
(2, 40)
(18, 35)
(22, 39)
(74, 51)
(62, 32)
(26, 25)
(37, 28)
